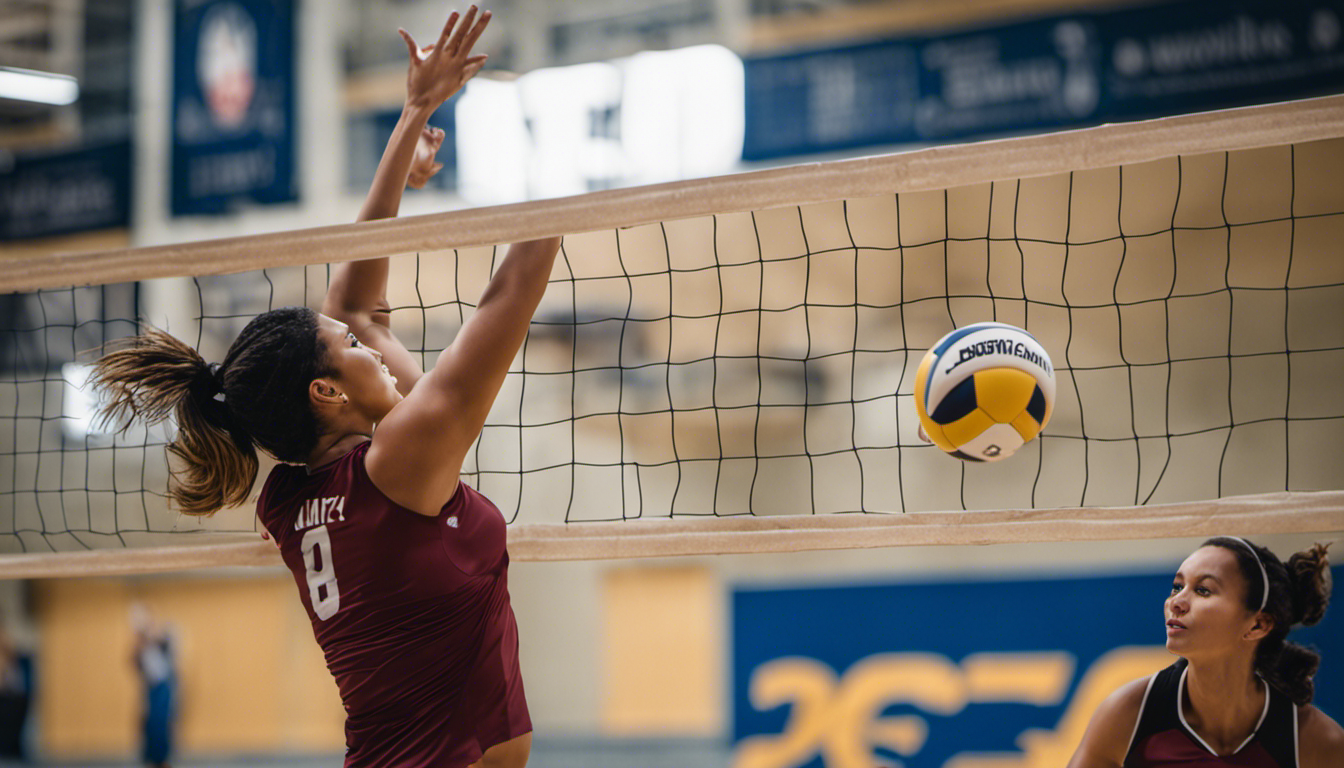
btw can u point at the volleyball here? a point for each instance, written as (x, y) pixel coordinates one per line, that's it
(984, 390)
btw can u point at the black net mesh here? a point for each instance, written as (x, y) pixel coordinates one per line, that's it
(761, 363)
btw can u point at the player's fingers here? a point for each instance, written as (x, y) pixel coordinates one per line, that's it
(459, 34)
(473, 66)
(447, 30)
(411, 47)
(475, 33)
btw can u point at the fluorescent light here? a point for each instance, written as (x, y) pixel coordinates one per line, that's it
(41, 87)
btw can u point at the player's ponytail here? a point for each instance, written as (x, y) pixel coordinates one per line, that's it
(153, 376)
(1298, 594)
(258, 397)
(1309, 574)
(1306, 592)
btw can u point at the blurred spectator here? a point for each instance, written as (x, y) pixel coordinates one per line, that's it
(16, 678)
(155, 658)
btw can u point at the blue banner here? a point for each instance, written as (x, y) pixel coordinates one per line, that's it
(233, 105)
(1081, 68)
(60, 193)
(951, 675)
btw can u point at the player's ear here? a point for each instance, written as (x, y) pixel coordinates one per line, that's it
(1264, 624)
(325, 392)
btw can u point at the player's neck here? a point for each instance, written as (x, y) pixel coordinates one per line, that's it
(332, 447)
(1223, 701)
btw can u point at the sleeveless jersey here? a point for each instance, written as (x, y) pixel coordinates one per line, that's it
(1162, 737)
(411, 612)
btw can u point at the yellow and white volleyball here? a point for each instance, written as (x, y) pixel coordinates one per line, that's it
(984, 391)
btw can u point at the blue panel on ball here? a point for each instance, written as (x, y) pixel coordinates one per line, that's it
(958, 403)
(965, 456)
(1037, 405)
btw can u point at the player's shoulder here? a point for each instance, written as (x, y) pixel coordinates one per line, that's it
(1107, 738)
(1320, 739)
(1119, 712)
(1127, 700)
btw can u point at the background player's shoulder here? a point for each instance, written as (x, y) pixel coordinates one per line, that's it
(1106, 743)
(1119, 713)
(1320, 739)
(1126, 701)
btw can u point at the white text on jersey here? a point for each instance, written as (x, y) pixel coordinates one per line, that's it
(318, 511)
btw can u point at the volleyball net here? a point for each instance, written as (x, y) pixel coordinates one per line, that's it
(725, 365)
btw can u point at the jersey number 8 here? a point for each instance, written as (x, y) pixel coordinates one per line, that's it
(321, 572)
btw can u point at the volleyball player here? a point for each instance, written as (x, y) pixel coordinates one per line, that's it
(401, 566)
(1240, 695)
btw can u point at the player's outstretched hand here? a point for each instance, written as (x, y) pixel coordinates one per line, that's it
(440, 70)
(423, 165)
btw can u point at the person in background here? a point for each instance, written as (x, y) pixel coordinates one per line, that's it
(155, 660)
(16, 678)
(1240, 693)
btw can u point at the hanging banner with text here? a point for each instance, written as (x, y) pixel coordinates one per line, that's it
(1077, 69)
(952, 674)
(233, 105)
(59, 193)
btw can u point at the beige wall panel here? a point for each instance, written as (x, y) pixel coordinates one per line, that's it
(251, 678)
(88, 698)
(663, 667)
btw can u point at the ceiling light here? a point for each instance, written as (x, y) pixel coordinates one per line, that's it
(41, 87)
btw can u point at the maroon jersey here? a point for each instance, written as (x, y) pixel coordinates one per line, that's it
(1163, 738)
(412, 613)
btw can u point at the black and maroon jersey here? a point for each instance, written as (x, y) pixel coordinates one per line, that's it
(411, 612)
(1162, 737)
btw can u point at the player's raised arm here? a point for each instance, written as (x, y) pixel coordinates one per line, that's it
(418, 449)
(358, 292)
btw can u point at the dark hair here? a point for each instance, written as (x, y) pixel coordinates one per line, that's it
(1298, 594)
(258, 397)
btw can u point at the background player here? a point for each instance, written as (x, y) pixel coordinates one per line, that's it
(1240, 695)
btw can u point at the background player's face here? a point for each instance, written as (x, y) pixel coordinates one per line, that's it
(1206, 612)
(360, 372)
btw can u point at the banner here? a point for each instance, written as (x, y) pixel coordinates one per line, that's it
(233, 105)
(952, 675)
(66, 192)
(1080, 68)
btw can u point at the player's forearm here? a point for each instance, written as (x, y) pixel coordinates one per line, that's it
(472, 369)
(359, 287)
(495, 331)
(384, 198)
(521, 279)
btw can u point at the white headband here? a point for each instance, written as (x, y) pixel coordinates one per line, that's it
(1264, 577)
